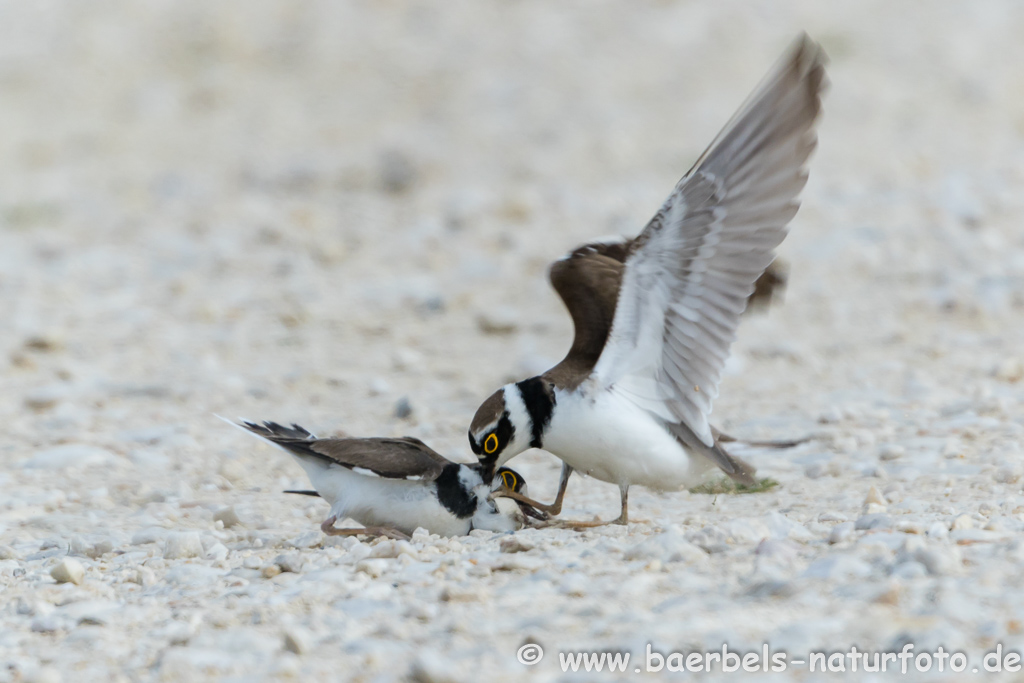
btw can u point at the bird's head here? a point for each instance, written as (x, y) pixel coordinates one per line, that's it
(500, 429)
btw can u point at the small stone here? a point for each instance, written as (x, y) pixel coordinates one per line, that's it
(181, 545)
(392, 549)
(831, 415)
(461, 594)
(101, 548)
(406, 359)
(379, 386)
(816, 470)
(952, 449)
(68, 570)
(45, 343)
(45, 398)
(940, 561)
(217, 552)
(8, 553)
(498, 320)
(403, 408)
(908, 526)
(153, 534)
(373, 568)
(430, 667)
(831, 516)
(874, 497)
(515, 544)
(234, 471)
(995, 524)
(1009, 474)
(841, 533)
(961, 522)
(79, 546)
(397, 173)
(308, 539)
(1010, 370)
(891, 452)
(270, 571)
(45, 624)
(227, 516)
(289, 563)
(873, 521)
(297, 640)
(144, 576)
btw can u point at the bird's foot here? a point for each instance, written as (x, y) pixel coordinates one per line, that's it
(581, 525)
(378, 531)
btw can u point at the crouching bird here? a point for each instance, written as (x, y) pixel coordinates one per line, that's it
(655, 315)
(392, 486)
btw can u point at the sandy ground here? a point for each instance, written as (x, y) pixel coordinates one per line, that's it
(310, 211)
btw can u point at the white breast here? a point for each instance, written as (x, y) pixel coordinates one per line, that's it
(614, 440)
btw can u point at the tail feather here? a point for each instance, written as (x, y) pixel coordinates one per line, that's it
(303, 492)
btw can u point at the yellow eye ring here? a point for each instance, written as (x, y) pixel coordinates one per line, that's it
(490, 444)
(509, 480)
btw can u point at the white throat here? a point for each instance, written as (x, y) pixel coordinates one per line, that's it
(519, 416)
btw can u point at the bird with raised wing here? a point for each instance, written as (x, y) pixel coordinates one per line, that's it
(655, 316)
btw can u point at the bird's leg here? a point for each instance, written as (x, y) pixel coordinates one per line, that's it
(555, 508)
(623, 518)
(328, 528)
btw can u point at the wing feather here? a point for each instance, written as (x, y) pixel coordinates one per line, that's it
(688, 275)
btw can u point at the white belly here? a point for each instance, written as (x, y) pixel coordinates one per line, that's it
(613, 440)
(375, 501)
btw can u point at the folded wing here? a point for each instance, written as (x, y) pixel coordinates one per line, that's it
(391, 458)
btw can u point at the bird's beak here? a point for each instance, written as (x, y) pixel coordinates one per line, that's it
(527, 509)
(531, 511)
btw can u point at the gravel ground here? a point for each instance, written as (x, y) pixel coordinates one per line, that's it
(317, 211)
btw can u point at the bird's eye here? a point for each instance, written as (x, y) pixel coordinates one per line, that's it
(509, 480)
(490, 444)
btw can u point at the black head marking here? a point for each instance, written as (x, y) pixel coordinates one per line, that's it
(487, 450)
(453, 494)
(539, 397)
(510, 479)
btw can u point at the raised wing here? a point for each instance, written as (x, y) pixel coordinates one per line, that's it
(397, 458)
(690, 271)
(588, 281)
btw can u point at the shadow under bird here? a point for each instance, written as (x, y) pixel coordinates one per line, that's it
(392, 486)
(655, 316)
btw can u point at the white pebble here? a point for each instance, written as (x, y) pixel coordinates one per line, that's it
(227, 516)
(891, 452)
(841, 532)
(68, 570)
(297, 640)
(183, 544)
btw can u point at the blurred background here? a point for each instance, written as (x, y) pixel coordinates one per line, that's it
(341, 214)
